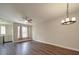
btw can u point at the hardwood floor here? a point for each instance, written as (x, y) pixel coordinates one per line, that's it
(33, 48)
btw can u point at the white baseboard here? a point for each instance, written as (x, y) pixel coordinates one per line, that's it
(58, 45)
(21, 41)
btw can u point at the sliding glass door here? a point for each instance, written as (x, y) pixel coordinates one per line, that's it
(22, 32)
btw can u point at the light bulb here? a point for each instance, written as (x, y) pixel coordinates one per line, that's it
(62, 21)
(67, 19)
(73, 19)
(26, 21)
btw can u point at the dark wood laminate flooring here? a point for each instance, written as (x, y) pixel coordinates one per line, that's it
(33, 48)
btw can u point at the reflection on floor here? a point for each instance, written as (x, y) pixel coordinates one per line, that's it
(33, 48)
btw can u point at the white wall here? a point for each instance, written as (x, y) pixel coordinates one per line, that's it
(30, 32)
(1, 39)
(15, 31)
(53, 32)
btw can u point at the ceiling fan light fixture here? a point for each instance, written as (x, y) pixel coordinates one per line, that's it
(26, 21)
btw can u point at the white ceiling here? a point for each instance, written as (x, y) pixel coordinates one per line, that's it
(39, 12)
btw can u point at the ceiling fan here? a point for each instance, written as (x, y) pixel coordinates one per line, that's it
(27, 19)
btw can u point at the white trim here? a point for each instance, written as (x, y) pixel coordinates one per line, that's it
(21, 40)
(59, 45)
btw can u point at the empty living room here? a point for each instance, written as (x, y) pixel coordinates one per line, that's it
(39, 29)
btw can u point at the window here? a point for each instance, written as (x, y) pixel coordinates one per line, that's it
(18, 31)
(3, 30)
(24, 32)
